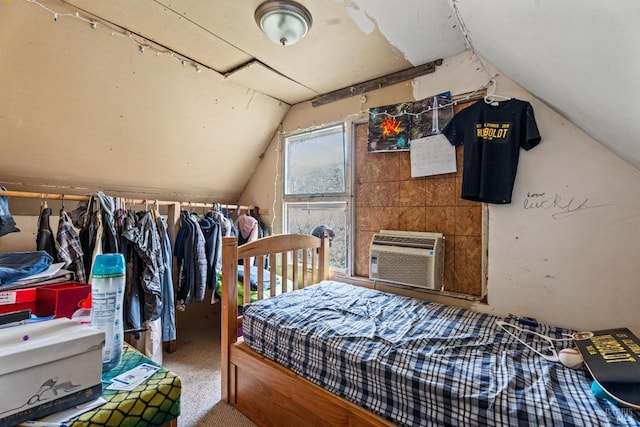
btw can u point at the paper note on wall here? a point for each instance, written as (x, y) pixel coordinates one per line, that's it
(432, 155)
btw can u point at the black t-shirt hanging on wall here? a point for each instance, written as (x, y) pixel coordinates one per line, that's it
(492, 136)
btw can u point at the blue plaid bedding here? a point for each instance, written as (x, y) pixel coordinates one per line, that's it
(422, 363)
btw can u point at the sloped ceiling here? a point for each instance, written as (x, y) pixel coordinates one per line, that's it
(578, 57)
(347, 44)
(66, 89)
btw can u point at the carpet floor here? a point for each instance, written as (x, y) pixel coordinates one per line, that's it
(197, 362)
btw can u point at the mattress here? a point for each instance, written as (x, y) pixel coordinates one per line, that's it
(415, 362)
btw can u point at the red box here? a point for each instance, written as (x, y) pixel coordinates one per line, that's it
(18, 299)
(60, 299)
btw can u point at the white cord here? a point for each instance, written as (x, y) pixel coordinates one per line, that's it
(437, 107)
(551, 358)
(117, 30)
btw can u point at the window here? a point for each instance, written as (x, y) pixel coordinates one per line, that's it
(304, 217)
(317, 188)
(315, 162)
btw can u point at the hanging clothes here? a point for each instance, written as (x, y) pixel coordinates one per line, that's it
(189, 251)
(7, 223)
(79, 215)
(145, 240)
(211, 227)
(69, 247)
(132, 302)
(120, 216)
(97, 247)
(229, 227)
(248, 232)
(44, 239)
(166, 279)
(107, 208)
(88, 234)
(149, 342)
(83, 218)
(162, 328)
(97, 225)
(263, 230)
(248, 227)
(492, 136)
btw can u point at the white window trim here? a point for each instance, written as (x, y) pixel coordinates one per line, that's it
(348, 128)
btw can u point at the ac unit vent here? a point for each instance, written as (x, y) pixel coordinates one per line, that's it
(408, 258)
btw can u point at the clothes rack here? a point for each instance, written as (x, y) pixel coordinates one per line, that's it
(173, 217)
(59, 196)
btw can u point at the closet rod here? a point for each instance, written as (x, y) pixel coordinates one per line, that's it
(56, 196)
(49, 196)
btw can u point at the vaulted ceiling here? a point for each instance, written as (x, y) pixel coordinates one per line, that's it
(346, 44)
(579, 57)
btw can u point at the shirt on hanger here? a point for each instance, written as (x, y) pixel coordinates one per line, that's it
(492, 136)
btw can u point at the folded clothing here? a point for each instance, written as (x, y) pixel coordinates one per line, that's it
(18, 265)
(253, 280)
(253, 277)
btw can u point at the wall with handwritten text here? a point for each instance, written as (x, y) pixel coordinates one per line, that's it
(566, 250)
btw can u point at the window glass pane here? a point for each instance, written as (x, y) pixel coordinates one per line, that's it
(315, 162)
(302, 218)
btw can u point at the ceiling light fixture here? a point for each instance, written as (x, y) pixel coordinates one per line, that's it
(284, 22)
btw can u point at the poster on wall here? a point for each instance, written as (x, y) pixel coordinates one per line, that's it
(389, 128)
(431, 115)
(393, 127)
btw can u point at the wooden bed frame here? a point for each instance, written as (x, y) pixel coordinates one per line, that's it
(265, 391)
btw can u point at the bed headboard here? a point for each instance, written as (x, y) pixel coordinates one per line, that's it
(298, 259)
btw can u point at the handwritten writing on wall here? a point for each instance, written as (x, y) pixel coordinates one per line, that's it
(560, 206)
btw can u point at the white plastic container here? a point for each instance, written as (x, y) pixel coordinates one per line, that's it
(83, 314)
(107, 294)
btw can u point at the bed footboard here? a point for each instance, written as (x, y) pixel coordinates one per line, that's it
(265, 391)
(299, 260)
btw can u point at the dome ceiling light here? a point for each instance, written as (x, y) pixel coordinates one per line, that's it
(284, 22)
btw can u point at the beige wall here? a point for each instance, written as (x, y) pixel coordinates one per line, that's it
(568, 262)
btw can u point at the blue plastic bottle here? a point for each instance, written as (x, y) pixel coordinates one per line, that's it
(107, 294)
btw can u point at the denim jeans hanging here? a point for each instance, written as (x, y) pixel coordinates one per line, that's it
(7, 224)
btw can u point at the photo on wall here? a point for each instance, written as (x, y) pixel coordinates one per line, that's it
(430, 115)
(392, 127)
(389, 128)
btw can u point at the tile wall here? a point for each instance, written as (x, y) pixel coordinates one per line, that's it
(387, 197)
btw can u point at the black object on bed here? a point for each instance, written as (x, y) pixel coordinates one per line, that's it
(421, 363)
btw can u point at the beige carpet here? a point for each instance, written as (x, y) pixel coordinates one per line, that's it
(197, 362)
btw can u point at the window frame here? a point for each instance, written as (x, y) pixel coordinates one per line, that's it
(346, 161)
(346, 198)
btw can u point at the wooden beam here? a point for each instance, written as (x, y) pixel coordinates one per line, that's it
(380, 82)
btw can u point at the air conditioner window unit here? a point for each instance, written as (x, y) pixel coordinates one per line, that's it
(408, 258)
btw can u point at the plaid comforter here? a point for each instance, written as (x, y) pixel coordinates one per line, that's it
(421, 363)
